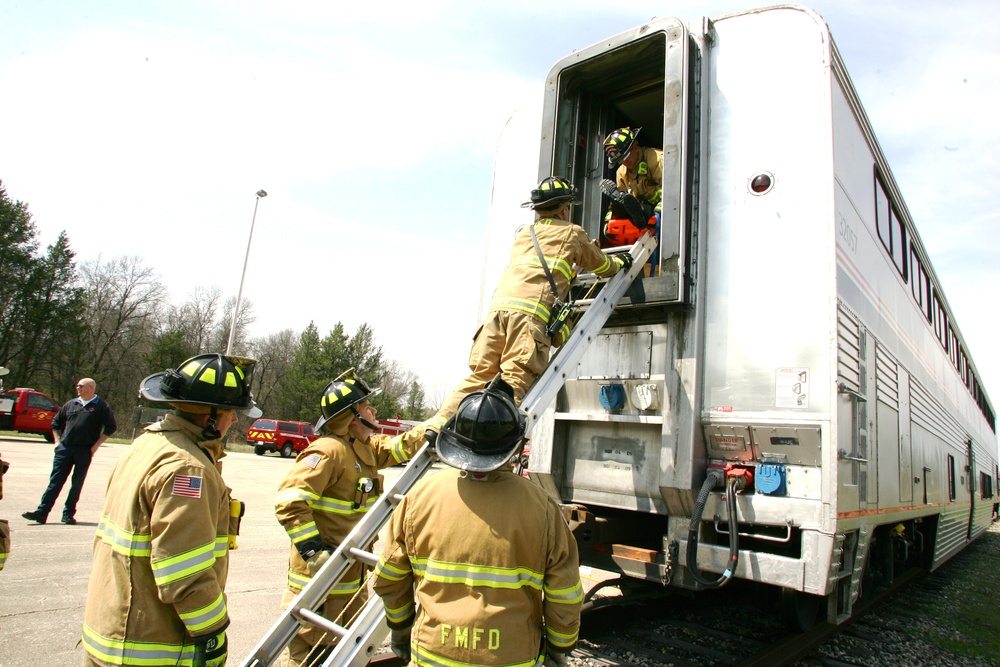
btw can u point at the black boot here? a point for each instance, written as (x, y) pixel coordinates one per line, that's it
(37, 517)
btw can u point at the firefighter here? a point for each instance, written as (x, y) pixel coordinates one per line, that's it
(638, 172)
(331, 485)
(514, 340)
(157, 588)
(479, 566)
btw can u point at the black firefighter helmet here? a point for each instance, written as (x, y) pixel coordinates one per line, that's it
(346, 391)
(213, 380)
(486, 431)
(551, 193)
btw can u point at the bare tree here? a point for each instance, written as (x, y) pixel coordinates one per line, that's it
(246, 317)
(199, 317)
(396, 382)
(121, 300)
(274, 354)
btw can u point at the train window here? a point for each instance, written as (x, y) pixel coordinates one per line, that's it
(951, 477)
(920, 283)
(882, 213)
(985, 486)
(890, 227)
(940, 322)
(898, 251)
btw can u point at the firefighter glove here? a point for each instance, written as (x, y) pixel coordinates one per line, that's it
(625, 260)
(309, 548)
(317, 561)
(399, 641)
(210, 650)
(556, 659)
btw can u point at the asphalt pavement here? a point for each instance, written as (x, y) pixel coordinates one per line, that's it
(43, 587)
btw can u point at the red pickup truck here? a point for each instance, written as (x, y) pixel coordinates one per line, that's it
(276, 435)
(27, 411)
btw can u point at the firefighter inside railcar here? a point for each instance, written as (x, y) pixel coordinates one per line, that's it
(636, 194)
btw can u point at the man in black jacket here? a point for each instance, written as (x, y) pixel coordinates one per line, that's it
(79, 429)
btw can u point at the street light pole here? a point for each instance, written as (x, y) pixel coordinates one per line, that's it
(239, 295)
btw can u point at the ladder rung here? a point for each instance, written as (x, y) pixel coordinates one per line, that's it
(365, 557)
(359, 641)
(321, 621)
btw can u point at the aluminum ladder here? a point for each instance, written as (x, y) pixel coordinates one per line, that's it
(367, 631)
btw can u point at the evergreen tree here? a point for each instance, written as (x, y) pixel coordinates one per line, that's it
(40, 308)
(300, 388)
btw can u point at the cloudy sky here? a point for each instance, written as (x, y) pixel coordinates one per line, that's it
(145, 129)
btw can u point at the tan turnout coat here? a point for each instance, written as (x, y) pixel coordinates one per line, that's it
(493, 566)
(644, 180)
(161, 555)
(319, 495)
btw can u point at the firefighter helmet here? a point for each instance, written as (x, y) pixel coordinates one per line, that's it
(552, 192)
(213, 380)
(618, 143)
(343, 394)
(486, 431)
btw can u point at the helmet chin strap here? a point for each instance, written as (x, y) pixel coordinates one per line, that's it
(210, 432)
(364, 422)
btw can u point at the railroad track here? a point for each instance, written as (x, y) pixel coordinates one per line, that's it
(739, 625)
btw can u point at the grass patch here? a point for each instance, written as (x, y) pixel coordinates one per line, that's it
(966, 615)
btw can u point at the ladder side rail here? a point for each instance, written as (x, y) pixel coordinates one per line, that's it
(369, 629)
(366, 634)
(354, 649)
(364, 533)
(544, 390)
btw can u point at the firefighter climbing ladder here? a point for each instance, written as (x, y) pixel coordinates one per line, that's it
(368, 630)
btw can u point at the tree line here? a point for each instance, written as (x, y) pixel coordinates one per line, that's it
(111, 319)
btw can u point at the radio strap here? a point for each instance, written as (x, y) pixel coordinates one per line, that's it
(560, 311)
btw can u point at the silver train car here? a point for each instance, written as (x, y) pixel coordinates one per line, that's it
(798, 405)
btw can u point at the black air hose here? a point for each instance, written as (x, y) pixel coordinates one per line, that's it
(715, 478)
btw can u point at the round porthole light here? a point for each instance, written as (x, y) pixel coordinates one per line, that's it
(761, 183)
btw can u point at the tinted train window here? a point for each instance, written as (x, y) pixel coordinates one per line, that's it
(890, 227)
(951, 477)
(920, 284)
(985, 485)
(940, 322)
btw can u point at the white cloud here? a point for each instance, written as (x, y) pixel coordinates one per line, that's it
(139, 128)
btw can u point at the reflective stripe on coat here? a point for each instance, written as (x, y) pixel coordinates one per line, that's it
(644, 180)
(318, 495)
(524, 286)
(487, 561)
(161, 554)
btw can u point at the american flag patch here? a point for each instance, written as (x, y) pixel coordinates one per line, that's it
(311, 461)
(187, 485)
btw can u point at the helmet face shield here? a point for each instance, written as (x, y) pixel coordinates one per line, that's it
(615, 156)
(618, 145)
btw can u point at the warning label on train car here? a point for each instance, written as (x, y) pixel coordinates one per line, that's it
(791, 388)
